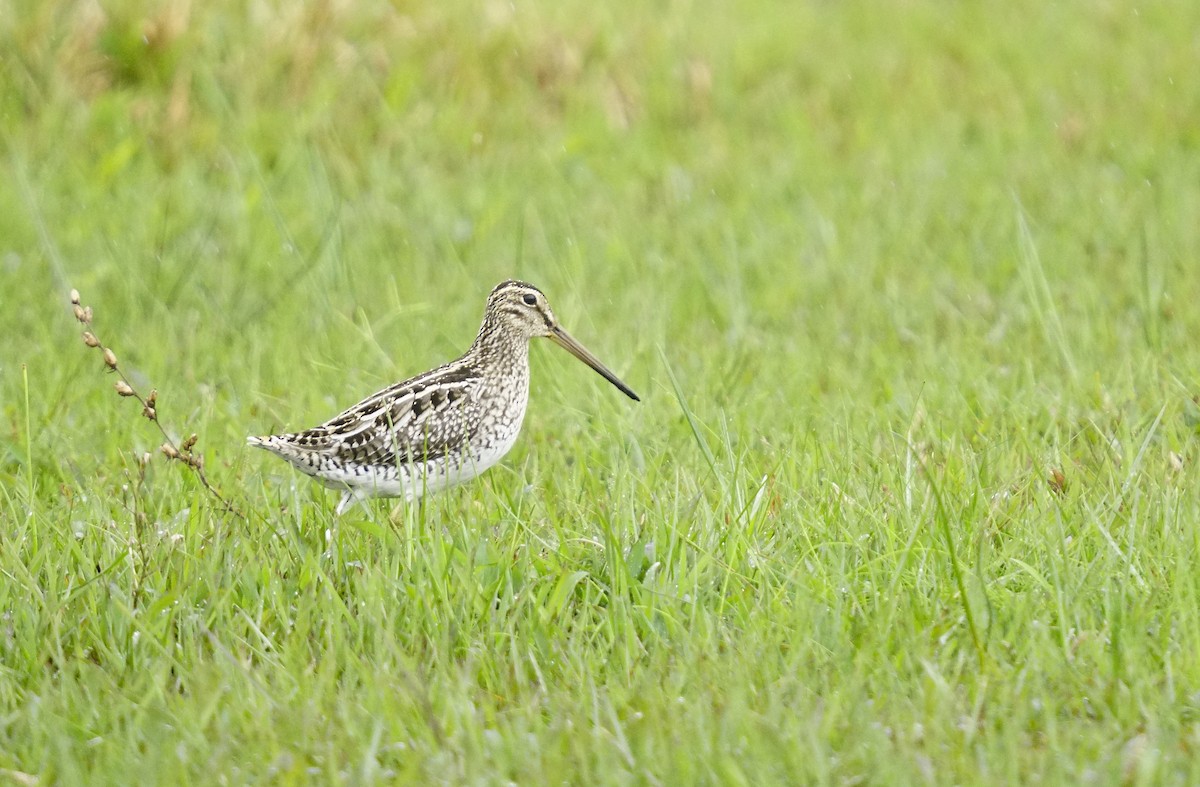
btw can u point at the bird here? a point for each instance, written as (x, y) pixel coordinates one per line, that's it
(443, 427)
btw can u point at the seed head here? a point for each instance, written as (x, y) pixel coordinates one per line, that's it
(87, 314)
(75, 296)
(90, 339)
(189, 442)
(169, 451)
(150, 412)
(123, 388)
(110, 358)
(152, 399)
(80, 313)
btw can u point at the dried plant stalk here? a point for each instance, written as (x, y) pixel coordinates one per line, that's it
(124, 387)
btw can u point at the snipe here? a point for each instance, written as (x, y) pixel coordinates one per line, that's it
(442, 427)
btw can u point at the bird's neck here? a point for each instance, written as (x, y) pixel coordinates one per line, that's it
(500, 345)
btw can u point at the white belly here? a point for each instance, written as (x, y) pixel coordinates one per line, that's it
(413, 481)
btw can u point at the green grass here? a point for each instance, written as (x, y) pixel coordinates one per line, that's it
(881, 272)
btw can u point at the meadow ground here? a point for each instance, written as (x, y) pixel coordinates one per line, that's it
(909, 290)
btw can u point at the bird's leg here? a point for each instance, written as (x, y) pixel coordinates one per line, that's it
(348, 499)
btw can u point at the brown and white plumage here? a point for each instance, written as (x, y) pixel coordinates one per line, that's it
(442, 427)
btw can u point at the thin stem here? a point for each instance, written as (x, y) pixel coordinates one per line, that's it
(170, 448)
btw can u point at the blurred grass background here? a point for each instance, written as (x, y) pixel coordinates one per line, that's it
(922, 272)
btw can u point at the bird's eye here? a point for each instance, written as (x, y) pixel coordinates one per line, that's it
(530, 299)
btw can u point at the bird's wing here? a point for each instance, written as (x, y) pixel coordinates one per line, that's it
(422, 419)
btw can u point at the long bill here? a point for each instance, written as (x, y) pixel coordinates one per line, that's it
(564, 340)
